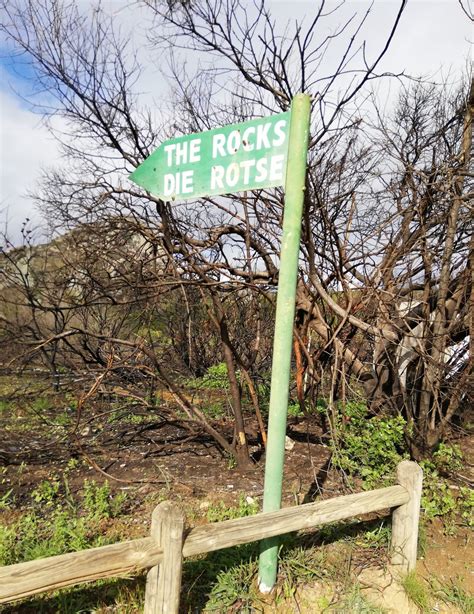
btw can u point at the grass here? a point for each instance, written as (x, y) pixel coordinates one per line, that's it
(234, 588)
(6, 497)
(57, 523)
(226, 581)
(423, 593)
(318, 566)
(41, 404)
(416, 591)
(125, 596)
(356, 603)
(453, 593)
(369, 534)
(219, 511)
(6, 500)
(220, 579)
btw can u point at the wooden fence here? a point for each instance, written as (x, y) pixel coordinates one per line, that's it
(162, 553)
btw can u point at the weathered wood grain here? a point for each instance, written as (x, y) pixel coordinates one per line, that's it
(125, 558)
(405, 519)
(163, 583)
(228, 533)
(25, 579)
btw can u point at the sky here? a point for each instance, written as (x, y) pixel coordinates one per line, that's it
(434, 39)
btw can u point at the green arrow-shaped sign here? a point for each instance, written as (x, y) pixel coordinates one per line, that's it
(237, 157)
(249, 156)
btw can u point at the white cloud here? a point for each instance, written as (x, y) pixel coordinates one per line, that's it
(25, 146)
(431, 35)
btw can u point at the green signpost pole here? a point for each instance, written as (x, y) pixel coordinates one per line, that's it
(260, 153)
(285, 313)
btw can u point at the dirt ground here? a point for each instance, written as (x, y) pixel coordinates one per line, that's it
(154, 460)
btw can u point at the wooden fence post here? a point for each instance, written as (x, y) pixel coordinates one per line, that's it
(405, 518)
(163, 582)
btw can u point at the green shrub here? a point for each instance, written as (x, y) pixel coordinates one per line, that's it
(215, 378)
(466, 505)
(220, 511)
(214, 410)
(41, 404)
(294, 410)
(33, 536)
(98, 501)
(7, 540)
(46, 492)
(58, 525)
(367, 447)
(438, 499)
(448, 457)
(234, 587)
(6, 500)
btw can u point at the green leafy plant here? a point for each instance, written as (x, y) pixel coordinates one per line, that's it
(41, 404)
(465, 504)
(294, 410)
(71, 401)
(448, 457)
(63, 419)
(7, 539)
(6, 500)
(234, 588)
(214, 410)
(437, 498)
(59, 525)
(98, 501)
(215, 378)
(220, 511)
(46, 492)
(369, 447)
(33, 536)
(72, 464)
(231, 461)
(379, 536)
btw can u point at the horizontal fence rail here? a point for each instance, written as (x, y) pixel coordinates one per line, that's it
(26, 579)
(208, 538)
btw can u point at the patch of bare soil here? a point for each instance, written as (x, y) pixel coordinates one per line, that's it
(162, 455)
(448, 557)
(376, 587)
(156, 459)
(382, 588)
